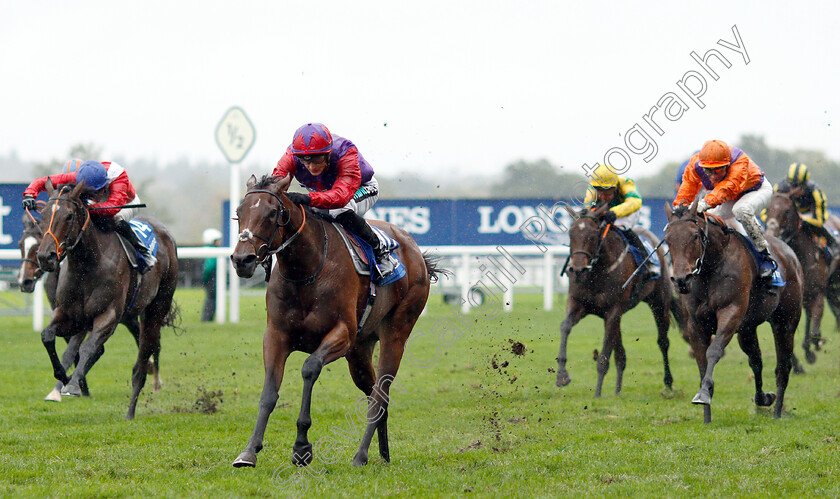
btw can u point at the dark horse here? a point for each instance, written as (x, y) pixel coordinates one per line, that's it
(784, 222)
(98, 288)
(314, 300)
(598, 265)
(29, 274)
(717, 276)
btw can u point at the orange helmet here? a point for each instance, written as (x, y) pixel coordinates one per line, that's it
(714, 154)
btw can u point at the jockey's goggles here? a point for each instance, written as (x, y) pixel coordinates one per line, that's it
(715, 169)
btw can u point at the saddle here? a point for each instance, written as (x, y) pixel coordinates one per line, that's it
(363, 258)
(146, 234)
(776, 280)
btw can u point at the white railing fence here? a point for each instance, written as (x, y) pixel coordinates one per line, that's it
(493, 269)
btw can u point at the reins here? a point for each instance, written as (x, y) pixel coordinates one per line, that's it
(62, 248)
(265, 260)
(704, 238)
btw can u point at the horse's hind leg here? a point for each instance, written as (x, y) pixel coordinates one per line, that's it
(783, 333)
(360, 362)
(275, 352)
(748, 340)
(391, 350)
(334, 346)
(810, 356)
(663, 323)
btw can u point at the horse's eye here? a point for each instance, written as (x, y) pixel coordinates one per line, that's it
(69, 217)
(272, 214)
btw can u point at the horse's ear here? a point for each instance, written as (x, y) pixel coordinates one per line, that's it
(669, 210)
(284, 183)
(572, 212)
(77, 191)
(251, 183)
(693, 207)
(49, 187)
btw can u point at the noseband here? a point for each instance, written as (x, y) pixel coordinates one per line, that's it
(62, 248)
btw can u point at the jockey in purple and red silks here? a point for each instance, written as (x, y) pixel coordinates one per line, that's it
(340, 181)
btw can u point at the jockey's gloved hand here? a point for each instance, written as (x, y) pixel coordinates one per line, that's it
(702, 206)
(299, 198)
(609, 217)
(28, 203)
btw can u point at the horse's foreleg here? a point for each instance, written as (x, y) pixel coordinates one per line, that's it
(574, 313)
(67, 360)
(783, 333)
(612, 337)
(275, 352)
(91, 350)
(727, 320)
(333, 346)
(48, 339)
(810, 357)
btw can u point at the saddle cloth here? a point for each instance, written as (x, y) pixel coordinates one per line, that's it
(363, 257)
(777, 281)
(147, 236)
(639, 257)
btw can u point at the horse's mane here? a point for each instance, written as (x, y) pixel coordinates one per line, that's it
(266, 181)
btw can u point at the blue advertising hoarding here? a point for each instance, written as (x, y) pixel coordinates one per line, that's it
(478, 222)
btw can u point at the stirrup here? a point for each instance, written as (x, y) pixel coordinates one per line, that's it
(385, 266)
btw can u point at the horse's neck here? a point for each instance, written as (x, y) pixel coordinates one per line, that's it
(89, 250)
(306, 252)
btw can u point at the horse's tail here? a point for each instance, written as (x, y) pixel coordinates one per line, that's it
(173, 318)
(432, 267)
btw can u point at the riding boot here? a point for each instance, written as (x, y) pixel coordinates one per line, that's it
(636, 241)
(768, 265)
(353, 222)
(123, 228)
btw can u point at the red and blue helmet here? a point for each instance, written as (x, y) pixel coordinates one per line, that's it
(310, 139)
(93, 174)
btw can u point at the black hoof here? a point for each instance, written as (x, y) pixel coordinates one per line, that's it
(247, 459)
(765, 399)
(810, 356)
(302, 456)
(563, 379)
(798, 369)
(71, 390)
(360, 459)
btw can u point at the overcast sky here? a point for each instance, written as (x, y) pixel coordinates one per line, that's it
(432, 87)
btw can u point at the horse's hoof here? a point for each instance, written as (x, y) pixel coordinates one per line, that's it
(765, 399)
(563, 379)
(702, 398)
(360, 459)
(71, 390)
(302, 455)
(53, 396)
(798, 369)
(247, 459)
(810, 356)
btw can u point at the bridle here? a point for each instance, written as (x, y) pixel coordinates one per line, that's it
(595, 255)
(62, 248)
(264, 252)
(704, 240)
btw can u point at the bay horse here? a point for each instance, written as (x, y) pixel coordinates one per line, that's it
(599, 263)
(314, 301)
(28, 275)
(784, 222)
(722, 295)
(97, 288)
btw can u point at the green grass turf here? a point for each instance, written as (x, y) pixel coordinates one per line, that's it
(464, 423)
